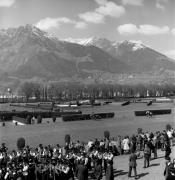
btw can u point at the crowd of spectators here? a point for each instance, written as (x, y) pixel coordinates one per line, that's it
(82, 161)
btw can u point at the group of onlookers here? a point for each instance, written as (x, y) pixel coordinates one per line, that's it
(82, 161)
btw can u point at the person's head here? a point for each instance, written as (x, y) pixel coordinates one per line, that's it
(58, 145)
(146, 145)
(40, 145)
(132, 150)
(82, 161)
(167, 160)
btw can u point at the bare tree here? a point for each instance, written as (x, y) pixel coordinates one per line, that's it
(36, 90)
(27, 90)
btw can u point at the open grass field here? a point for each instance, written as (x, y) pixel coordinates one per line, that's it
(124, 123)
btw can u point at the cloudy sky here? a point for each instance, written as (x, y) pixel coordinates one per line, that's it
(149, 21)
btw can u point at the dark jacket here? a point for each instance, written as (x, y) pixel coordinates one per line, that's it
(82, 172)
(147, 151)
(98, 171)
(109, 172)
(132, 160)
(169, 172)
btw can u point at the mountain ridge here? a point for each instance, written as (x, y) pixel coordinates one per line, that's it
(28, 53)
(128, 52)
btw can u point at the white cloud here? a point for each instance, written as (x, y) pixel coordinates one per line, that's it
(111, 9)
(48, 23)
(127, 29)
(160, 4)
(153, 30)
(92, 17)
(133, 2)
(170, 53)
(173, 31)
(106, 8)
(145, 29)
(80, 25)
(6, 3)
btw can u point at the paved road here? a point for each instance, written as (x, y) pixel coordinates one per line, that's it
(154, 172)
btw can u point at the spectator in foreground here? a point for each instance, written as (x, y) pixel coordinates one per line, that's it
(98, 170)
(167, 146)
(169, 171)
(147, 155)
(109, 170)
(132, 164)
(82, 171)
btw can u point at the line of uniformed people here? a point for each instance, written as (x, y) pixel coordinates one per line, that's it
(47, 163)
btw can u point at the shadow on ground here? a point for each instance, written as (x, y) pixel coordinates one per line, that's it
(119, 173)
(142, 175)
(159, 157)
(155, 164)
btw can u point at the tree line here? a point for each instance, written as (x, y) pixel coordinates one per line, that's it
(76, 91)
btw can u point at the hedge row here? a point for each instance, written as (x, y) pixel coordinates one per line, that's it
(154, 112)
(81, 117)
(40, 106)
(8, 116)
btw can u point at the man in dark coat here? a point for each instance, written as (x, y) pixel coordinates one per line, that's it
(132, 164)
(147, 155)
(82, 171)
(98, 170)
(169, 171)
(167, 150)
(109, 170)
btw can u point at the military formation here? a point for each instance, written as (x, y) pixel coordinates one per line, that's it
(52, 163)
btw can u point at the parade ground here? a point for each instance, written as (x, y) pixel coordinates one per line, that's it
(124, 123)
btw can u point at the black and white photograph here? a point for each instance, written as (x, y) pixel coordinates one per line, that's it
(87, 89)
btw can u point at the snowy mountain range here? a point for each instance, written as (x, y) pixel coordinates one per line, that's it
(105, 43)
(27, 53)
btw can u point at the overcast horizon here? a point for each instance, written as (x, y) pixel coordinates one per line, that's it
(151, 22)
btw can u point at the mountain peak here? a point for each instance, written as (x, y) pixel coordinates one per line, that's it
(103, 43)
(31, 29)
(95, 40)
(27, 30)
(133, 45)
